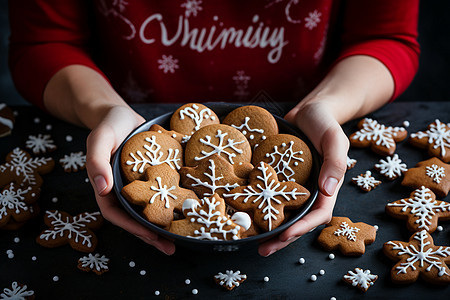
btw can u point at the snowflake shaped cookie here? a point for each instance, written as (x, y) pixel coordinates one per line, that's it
(159, 194)
(267, 197)
(366, 181)
(362, 279)
(95, 263)
(14, 203)
(17, 292)
(65, 229)
(230, 279)
(431, 173)
(73, 162)
(350, 238)
(436, 139)
(417, 257)
(392, 167)
(207, 220)
(381, 139)
(421, 210)
(40, 144)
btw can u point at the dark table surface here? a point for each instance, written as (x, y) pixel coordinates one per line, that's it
(72, 192)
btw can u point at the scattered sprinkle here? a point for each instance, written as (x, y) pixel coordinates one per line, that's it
(157, 293)
(376, 227)
(37, 120)
(266, 279)
(194, 291)
(9, 251)
(313, 277)
(86, 180)
(187, 281)
(322, 272)
(55, 278)
(440, 228)
(69, 138)
(48, 127)
(54, 199)
(331, 256)
(302, 260)
(142, 272)
(406, 123)
(33, 258)
(16, 240)
(11, 255)
(333, 298)
(132, 264)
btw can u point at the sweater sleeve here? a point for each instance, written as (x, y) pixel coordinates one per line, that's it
(387, 31)
(46, 36)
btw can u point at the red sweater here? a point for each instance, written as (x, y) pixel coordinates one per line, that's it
(208, 50)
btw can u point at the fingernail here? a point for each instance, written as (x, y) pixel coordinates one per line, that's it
(100, 184)
(330, 186)
(292, 238)
(270, 253)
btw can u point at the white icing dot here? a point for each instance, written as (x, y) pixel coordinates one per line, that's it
(55, 278)
(142, 272)
(187, 281)
(313, 277)
(322, 272)
(376, 227)
(266, 279)
(263, 137)
(331, 256)
(11, 255)
(406, 123)
(157, 293)
(54, 199)
(302, 260)
(440, 228)
(37, 120)
(267, 154)
(49, 127)
(132, 264)
(251, 136)
(16, 240)
(33, 258)
(284, 144)
(244, 132)
(194, 291)
(86, 180)
(69, 138)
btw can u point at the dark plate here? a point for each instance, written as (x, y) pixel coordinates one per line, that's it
(221, 109)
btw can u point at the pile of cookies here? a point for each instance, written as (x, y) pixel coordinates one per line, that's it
(216, 180)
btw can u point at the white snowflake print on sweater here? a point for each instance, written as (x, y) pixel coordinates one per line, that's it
(241, 81)
(230, 279)
(435, 172)
(73, 162)
(168, 64)
(392, 167)
(16, 292)
(312, 20)
(363, 279)
(347, 231)
(40, 144)
(192, 7)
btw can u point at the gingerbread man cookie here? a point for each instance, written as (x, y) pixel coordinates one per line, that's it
(418, 257)
(436, 139)
(159, 194)
(431, 173)
(350, 238)
(6, 120)
(380, 138)
(266, 197)
(421, 210)
(191, 117)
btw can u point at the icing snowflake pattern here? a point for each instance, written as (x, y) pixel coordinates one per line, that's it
(73, 161)
(423, 255)
(348, 231)
(192, 7)
(435, 172)
(17, 292)
(168, 64)
(379, 133)
(153, 156)
(422, 206)
(392, 167)
(94, 262)
(245, 128)
(312, 20)
(351, 162)
(221, 147)
(40, 143)
(163, 192)
(282, 161)
(230, 279)
(26, 166)
(362, 278)
(197, 116)
(437, 134)
(12, 199)
(366, 181)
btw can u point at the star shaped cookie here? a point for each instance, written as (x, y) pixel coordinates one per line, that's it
(436, 139)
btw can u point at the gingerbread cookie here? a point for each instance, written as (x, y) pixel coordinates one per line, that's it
(191, 117)
(32, 211)
(149, 148)
(179, 137)
(230, 279)
(207, 220)
(159, 194)
(73, 162)
(40, 144)
(421, 210)
(6, 120)
(255, 123)
(350, 238)
(391, 167)
(436, 139)
(351, 163)
(380, 138)
(95, 263)
(266, 197)
(361, 279)
(288, 155)
(76, 231)
(222, 139)
(15, 204)
(17, 291)
(212, 175)
(366, 181)
(418, 257)
(431, 173)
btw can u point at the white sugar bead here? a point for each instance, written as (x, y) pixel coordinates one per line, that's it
(322, 272)
(194, 291)
(187, 281)
(55, 278)
(132, 264)
(440, 228)
(266, 279)
(331, 256)
(313, 277)
(302, 260)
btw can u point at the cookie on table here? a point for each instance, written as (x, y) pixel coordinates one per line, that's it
(40, 144)
(351, 163)
(179, 137)
(421, 210)
(222, 139)
(266, 197)
(149, 148)
(380, 138)
(418, 257)
(15, 204)
(7, 120)
(255, 123)
(159, 194)
(431, 173)
(77, 231)
(348, 237)
(230, 279)
(73, 162)
(288, 155)
(392, 167)
(436, 139)
(361, 279)
(13, 225)
(17, 291)
(366, 181)
(94, 263)
(207, 220)
(191, 117)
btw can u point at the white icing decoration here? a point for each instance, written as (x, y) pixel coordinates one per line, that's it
(40, 143)
(242, 219)
(361, 277)
(379, 133)
(350, 162)
(153, 156)
(13, 199)
(163, 192)
(391, 167)
(220, 148)
(266, 194)
(245, 128)
(366, 181)
(230, 278)
(24, 165)
(347, 231)
(4, 121)
(424, 255)
(422, 206)
(196, 116)
(96, 262)
(213, 180)
(73, 161)
(437, 134)
(435, 172)
(283, 163)
(190, 204)
(77, 227)
(16, 292)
